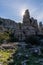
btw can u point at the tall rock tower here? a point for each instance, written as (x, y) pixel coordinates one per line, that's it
(26, 17)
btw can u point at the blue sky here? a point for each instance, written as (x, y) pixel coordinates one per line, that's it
(12, 9)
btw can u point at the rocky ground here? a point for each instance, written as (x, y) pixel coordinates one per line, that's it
(28, 55)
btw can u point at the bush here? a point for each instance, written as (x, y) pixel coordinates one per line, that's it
(34, 40)
(4, 36)
(12, 38)
(1, 41)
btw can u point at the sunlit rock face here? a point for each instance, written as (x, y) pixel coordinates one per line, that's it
(30, 25)
(29, 21)
(41, 27)
(34, 22)
(7, 25)
(26, 17)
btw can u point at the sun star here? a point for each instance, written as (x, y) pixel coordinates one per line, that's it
(22, 12)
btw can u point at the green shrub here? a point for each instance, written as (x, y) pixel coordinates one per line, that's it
(12, 38)
(33, 40)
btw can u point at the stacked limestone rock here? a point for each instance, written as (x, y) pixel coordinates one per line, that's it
(7, 25)
(22, 30)
(29, 24)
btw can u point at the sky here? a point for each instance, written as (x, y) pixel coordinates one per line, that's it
(13, 9)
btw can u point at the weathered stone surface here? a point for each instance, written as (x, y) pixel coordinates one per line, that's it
(21, 30)
(26, 17)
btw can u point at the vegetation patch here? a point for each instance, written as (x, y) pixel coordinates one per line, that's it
(6, 55)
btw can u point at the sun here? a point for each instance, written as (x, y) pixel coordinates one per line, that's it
(22, 12)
